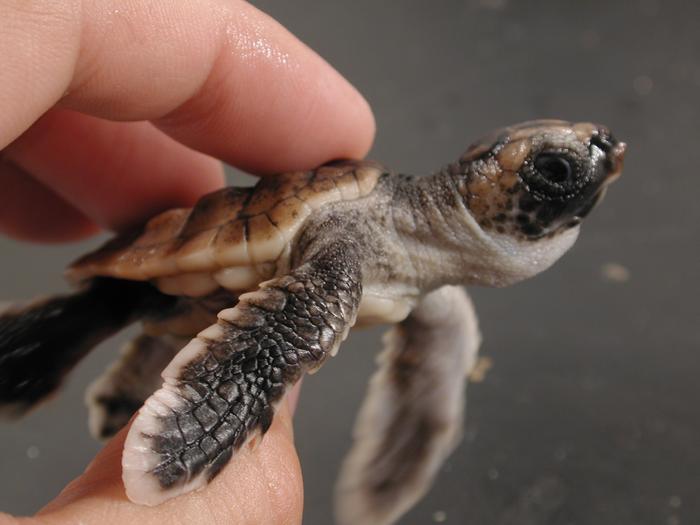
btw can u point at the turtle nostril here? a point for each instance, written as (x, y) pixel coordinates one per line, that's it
(603, 142)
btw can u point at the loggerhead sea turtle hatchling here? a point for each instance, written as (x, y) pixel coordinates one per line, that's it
(288, 266)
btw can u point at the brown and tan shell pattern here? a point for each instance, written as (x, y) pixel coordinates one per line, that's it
(232, 238)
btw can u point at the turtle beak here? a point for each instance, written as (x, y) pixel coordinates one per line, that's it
(616, 158)
(613, 150)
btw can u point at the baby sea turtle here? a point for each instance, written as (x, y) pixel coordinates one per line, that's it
(288, 267)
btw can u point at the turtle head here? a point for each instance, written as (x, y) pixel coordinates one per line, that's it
(526, 189)
(538, 179)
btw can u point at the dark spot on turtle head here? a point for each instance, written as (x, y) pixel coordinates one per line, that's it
(545, 215)
(527, 203)
(531, 230)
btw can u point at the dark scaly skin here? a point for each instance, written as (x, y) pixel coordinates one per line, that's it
(290, 327)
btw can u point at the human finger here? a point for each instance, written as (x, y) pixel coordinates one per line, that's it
(31, 211)
(116, 173)
(218, 75)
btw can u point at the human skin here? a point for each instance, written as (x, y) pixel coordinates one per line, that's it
(113, 111)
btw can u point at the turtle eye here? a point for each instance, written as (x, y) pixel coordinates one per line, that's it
(555, 168)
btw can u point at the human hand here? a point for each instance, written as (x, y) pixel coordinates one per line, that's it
(113, 111)
(217, 76)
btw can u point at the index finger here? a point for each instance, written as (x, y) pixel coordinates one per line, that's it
(218, 75)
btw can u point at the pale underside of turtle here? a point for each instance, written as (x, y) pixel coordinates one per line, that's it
(265, 283)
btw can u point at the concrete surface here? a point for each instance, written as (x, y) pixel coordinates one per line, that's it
(589, 415)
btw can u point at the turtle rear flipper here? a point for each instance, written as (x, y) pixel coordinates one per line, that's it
(40, 343)
(118, 394)
(412, 417)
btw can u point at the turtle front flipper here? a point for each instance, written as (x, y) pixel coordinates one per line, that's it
(116, 395)
(224, 385)
(412, 417)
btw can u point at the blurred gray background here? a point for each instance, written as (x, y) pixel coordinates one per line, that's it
(589, 414)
